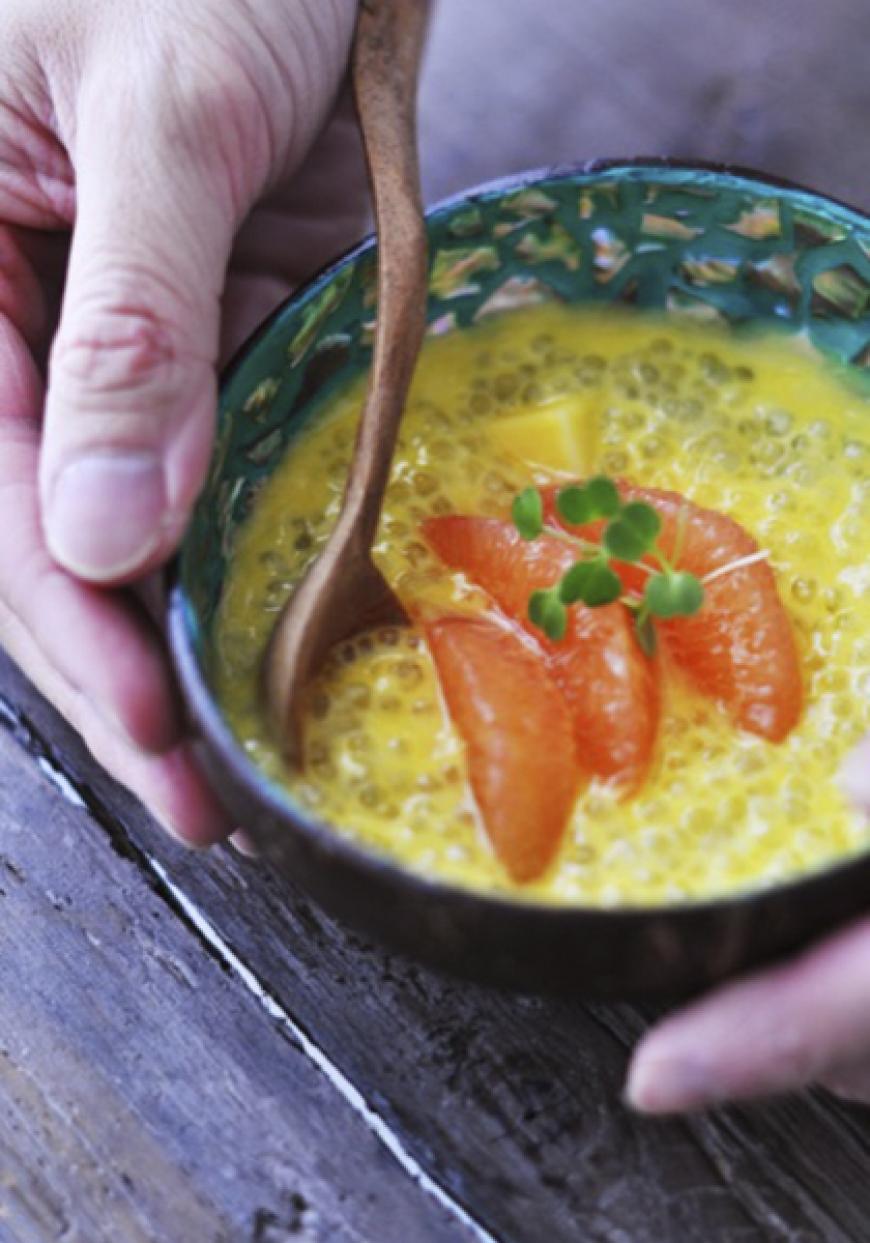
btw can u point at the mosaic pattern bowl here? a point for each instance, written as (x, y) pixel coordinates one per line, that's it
(722, 245)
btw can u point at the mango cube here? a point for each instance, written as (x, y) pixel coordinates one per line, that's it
(558, 436)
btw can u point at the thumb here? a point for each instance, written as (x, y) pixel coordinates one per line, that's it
(132, 385)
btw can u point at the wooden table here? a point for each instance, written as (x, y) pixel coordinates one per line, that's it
(191, 1052)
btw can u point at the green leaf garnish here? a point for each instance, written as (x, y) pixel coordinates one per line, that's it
(555, 618)
(527, 512)
(633, 532)
(678, 594)
(537, 608)
(573, 504)
(645, 632)
(579, 504)
(591, 581)
(604, 496)
(548, 613)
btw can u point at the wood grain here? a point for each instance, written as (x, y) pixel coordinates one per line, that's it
(510, 1103)
(145, 1095)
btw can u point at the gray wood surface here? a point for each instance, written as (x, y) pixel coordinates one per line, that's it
(190, 1052)
(145, 1094)
(137, 1052)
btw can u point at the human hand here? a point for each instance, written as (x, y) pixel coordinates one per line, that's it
(151, 131)
(806, 1021)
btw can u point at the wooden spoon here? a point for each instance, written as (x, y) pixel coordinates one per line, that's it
(343, 592)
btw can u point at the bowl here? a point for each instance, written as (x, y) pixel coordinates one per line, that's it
(709, 242)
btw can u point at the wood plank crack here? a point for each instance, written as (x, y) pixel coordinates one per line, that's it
(509, 1103)
(81, 795)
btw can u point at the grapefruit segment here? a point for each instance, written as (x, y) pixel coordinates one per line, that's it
(740, 648)
(610, 686)
(517, 732)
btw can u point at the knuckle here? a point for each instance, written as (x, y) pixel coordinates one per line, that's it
(114, 343)
(209, 106)
(118, 345)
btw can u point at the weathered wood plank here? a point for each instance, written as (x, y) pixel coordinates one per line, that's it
(511, 1103)
(145, 1095)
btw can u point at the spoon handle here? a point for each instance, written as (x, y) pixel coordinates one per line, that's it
(386, 64)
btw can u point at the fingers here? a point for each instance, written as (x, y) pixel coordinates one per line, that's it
(170, 785)
(99, 644)
(808, 1021)
(771, 1032)
(93, 654)
(132, 389)
(851, 1081)
(21, 298)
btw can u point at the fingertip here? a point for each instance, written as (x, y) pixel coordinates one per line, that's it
(149, 723)
(244, 844)
(657, 1084)
(118, 660)
(190, 811)
(105, 515)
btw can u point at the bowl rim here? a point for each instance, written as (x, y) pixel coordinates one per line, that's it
(213, 729)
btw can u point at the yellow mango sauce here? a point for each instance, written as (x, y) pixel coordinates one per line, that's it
(755, 427)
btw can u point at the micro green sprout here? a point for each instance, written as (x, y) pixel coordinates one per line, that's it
(630, 534)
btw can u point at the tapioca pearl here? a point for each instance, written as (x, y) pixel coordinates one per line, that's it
(319, 760)
(833, 598)
(481, 403)
(274, 563)
(443, 450)
(841, 705)
(490, 507)
(506, 386)
(371, 796)
(833, 680)
(850, 532)
(750, 761)
(714, 369)
(616, 462)
(558, 383)
(355, 695)
(660, 347)
(394, 530)
(653, 447)
(542, 343)
(781, 501)
(440, 506)
(778, 422)
(861, 493)
(634, 419)
(766, 453)
(612, 430)
(410, 674)
(238, 649)
(417, 554)
(590, 369)
(429, 412)
(699, 820)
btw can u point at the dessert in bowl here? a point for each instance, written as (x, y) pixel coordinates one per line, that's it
(635, 791)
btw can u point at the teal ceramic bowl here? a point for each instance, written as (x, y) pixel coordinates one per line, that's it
(724, 245)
